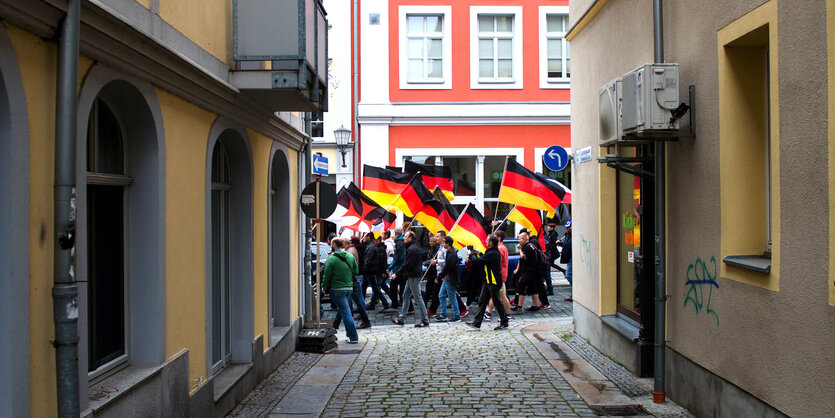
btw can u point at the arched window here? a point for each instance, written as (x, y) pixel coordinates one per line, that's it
(107, 183)
(221, 190)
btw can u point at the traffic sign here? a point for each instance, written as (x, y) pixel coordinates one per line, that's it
(327, 200)
(555, 158)
(320, 165)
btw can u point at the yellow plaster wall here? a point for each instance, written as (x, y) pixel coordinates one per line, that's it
(186, 134)
(830, 61)
(608, 240)
(261, 169)
(146, 3)
(207, 23)
(738, 220)
(295, 220)
(37, 61)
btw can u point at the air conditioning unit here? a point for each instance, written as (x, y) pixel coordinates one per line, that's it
(610, 118)
(650, 94)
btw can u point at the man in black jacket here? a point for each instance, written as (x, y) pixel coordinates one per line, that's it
(449, 277)
(411, 270)
(375, 262)
(430, 298)
(489, 265)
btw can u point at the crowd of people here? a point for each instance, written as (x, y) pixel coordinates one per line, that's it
(403, 279)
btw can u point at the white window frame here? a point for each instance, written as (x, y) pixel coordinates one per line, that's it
(403, 36)
(518, 29)
(544, 81)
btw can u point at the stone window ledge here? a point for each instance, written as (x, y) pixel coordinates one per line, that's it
(117, 385)
(226, 378)
(758, 263)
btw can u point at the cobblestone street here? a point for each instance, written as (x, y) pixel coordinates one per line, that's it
(444, 370)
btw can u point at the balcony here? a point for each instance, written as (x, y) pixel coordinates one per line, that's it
(280, 53)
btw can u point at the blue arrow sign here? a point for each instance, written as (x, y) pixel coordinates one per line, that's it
(320, 165)
(555, 158)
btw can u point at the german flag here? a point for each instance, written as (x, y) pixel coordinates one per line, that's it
(383, 186)
(433, 176)
(413, 196)
(530, 219)
(525, 188)
(468, 229)
(449, 214)
(429, 215)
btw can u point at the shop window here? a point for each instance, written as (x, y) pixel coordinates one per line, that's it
(749, 164)
(629, 244)
(463, 175)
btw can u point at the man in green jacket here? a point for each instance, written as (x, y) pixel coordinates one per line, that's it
(338, 281)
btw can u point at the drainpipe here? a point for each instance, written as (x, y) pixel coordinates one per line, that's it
(659, 393)
(309, 295)
(64, 290)
(355, 107)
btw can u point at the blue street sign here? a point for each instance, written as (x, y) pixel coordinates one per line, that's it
(320, 165)
(555, 158)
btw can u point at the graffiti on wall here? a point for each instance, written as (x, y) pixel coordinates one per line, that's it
(701, 279)
(585, 254)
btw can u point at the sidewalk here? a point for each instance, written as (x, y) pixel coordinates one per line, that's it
(449, 369)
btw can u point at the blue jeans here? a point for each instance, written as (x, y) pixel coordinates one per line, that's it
(569, 274)
(340, 297)
(448, 291)
(376, 293)
(355, 299)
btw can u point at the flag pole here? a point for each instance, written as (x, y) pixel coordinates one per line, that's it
(496, 210)
(505, 218)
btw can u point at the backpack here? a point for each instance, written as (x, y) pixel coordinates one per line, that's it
(543, 260)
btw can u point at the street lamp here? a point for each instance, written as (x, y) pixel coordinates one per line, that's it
(342, 136)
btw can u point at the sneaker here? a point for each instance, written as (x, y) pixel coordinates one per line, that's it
(533, 309)
(472, 325)
(370, 307)
(364, 325)
(440, 319)
(545, 306)
(422, 325)
(397, 321)
(487, 316)
(515, 308)
(431, 314)
(353, 341)
(569, 299)
(512, 304)
(464, 313)
(389, 310)
(509, 317)
(455, 320)
(500, 327)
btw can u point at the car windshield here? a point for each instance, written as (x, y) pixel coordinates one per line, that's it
(512, 247)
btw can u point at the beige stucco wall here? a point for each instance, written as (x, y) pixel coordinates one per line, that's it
(193, 17)
(773, 344)
(261, 183)
(37, 61)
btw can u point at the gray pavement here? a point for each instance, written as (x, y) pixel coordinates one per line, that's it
(444, 370)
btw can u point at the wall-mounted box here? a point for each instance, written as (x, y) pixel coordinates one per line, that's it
(610, 118)
(650, 93)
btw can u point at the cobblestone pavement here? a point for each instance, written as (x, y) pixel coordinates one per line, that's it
(266, 396)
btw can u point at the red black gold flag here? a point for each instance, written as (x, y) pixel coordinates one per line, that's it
(394, 168)
(530, 219)
(429, 215)
(383, 186)
(469, 229)
(523, 187)
(449, 214)
(433, 176)
(413, 196)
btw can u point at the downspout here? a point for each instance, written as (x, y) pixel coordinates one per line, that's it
(64, 289)
(308, 235)
(355, 107)
(659, 393)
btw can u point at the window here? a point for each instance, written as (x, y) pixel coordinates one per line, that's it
(554, 57)
(496, 47)
(106, 190)
(425, 51)
(221, 188)
(316, 129)
(749, 166)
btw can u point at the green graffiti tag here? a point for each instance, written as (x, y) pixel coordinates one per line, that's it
(699, 277)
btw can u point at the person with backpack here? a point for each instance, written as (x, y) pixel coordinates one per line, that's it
(338, 281)
(543, 264)
(529, 274)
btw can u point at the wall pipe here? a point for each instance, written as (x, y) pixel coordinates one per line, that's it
(64, 289)
(660, 343)
(356, 87)
(310, 296)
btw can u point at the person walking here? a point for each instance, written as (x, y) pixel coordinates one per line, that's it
(565, 258)
(449, 277)
(503, 291)
(528, 274)
(440, 259)
(489, 265)
(340, 270)
(375, 269)
(397, 285)
(356, 302)
(430, 297)
(544, 275)
(412, 272)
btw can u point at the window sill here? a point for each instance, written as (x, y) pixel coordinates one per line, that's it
(226, 378)
(751, 262)
(622, 326)
(116, 385)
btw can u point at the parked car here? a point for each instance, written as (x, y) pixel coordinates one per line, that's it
(324, 252)
(512, 245)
